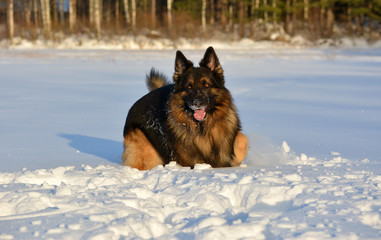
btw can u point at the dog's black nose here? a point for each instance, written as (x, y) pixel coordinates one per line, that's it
(197, 103)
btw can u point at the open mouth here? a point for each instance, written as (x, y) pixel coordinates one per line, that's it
(199, 113)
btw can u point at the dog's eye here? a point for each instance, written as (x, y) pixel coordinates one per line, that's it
(189, 86)
(207, 85)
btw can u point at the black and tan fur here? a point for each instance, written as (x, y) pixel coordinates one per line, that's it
(190, 121)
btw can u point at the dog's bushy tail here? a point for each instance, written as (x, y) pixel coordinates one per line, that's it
(156, 80)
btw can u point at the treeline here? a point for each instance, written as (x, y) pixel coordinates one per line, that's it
(256, 19)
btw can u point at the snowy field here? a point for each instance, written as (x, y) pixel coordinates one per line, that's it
(62, 114)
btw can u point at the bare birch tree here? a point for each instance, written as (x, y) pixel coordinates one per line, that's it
(370, 6)
(266, 15)
(231, 15)
(241, 16)
(35, 13)
(153, 14)
(349, 21)
(72, 14)
(91, 13)
(287, 20)
(46, 20)
(203, 16)
(62, 15)
(117, 15)
(28, 13)
(169, 13)
(133, 8)
(97, 18)
(254, 8)
(330, 21)
(224, 6)
(273, 4)
(306, 10)
(43, 15)
(294, 6)
(55, 13)
(126, 12)
(323, 6)
(212, 12)
(10, 20)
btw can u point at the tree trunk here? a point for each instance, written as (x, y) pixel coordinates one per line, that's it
(241, 16)
(370, 6)
(362, 23)
(322, 18)
(55, 14)
(294, 17)
(349, 21)
(62, 15)
(72, 14)
(35, 13)
(48, 18)
(145, 14)
(133, 6)
(28, 14)
(256, 4)
(274, 11)
(287, 20)
(306, 10)
(212, 12)
(203, 16)
(153, 14)
(126, 12)
(97, 18)
(357, 21)
(231, 12)
(266, 15)
(252, 20)
(330, 22)
(169, 13)
(101, 11)
(45, 8)
(108, 13)
(10, 20)
(224, 7)
(117, 15)
(91, 13)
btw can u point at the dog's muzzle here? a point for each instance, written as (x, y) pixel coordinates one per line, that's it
(199, 105)
(199, 110)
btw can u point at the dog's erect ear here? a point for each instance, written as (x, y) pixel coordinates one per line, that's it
(211, 61)
(181, 64)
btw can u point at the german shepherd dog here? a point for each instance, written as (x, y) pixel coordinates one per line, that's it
(192, 120)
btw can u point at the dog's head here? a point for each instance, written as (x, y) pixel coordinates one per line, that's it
(198, 85)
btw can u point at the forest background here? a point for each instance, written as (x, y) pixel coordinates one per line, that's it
(276, 20)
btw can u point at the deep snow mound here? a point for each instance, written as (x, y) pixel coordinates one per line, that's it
(305, 198)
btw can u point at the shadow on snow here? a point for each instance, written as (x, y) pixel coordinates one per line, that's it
(104, 148)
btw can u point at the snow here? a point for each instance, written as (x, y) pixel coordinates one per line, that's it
(142, 42)
(313, 170)
(110, 202)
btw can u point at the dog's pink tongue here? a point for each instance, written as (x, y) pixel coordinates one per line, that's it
(199, 114)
